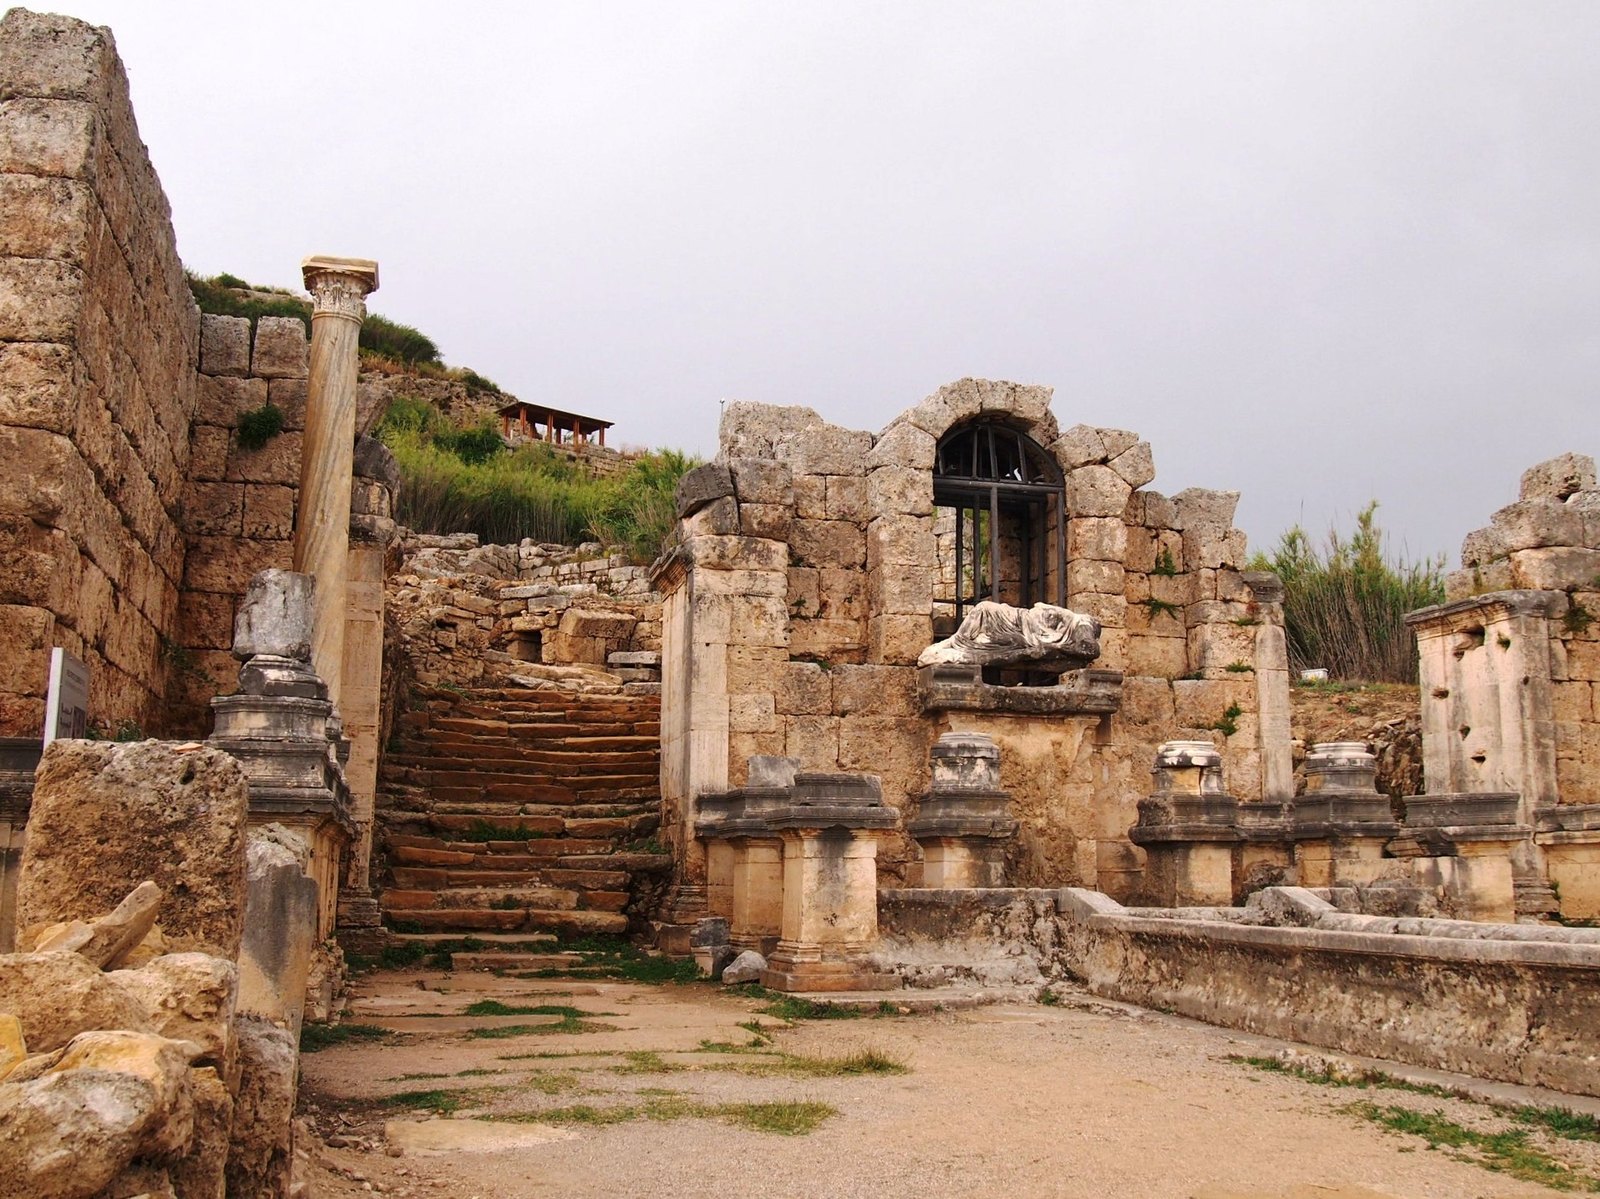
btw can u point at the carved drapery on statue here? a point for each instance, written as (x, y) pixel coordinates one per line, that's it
(1042, 638)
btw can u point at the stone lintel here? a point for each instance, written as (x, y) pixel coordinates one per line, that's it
(1357, 814)
(960, 826)
(1078, 692)
(669, 572)
(1579, 819)
(1169, 834)
(1460, 809)
(1490, 605)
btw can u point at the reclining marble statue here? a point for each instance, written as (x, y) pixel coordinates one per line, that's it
(1043, 638)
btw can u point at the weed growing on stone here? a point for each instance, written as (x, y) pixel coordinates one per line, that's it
(792, 1007)
(645, 1061)
(1229, 724)
(1577, 619)
(314, 1037)
(259, 426)
(571, 1021)
(858, 1062)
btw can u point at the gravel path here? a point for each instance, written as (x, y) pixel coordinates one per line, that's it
(1005, 1101)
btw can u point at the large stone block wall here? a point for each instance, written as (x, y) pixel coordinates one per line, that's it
(98, 340)
(238, 503)
(804, 580)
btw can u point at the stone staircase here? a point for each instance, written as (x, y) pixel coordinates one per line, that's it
(508, 811)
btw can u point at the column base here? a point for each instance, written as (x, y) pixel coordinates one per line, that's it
(794, 968)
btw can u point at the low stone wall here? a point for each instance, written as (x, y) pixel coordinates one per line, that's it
(1507, 1002)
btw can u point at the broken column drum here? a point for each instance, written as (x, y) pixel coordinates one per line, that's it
(1188, 827)
(829, 829)
(1342, 823)
(964, 821)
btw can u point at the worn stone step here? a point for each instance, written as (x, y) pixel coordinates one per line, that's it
(502, 960)
(433, 878)
(506, 898)
(509, 942)
(472, 920)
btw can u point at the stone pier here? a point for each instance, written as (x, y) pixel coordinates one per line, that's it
(1342, 822)
(338, 287)
(1188, 828)
(830, 884)
(964, 822)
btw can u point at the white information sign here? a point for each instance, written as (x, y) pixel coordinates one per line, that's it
(66, 712)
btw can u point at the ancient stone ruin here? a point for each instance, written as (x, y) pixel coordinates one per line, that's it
(957, 703)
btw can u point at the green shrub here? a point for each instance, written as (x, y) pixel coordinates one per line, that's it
(402, 343)
(260, 425)
(220, 296)
(1344, 606)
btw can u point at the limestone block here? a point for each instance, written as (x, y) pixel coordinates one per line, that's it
(112, 1097)
(1558, 478)
(903, 444)
(752, 714)
(1104, 539)
(803, 594)
(41, 217)
(269, 511)
(715, 518)
(900, 592)
(280, 927)
(742, 582)
(58, 995)
(1196, 506)
(811, 497)
(288, 396)
(200, 1173)
(770, 521)
(40, 300)
(1482, 546)
(1109, 609)
(227, 564)
(892, 490)
(900, 541)
(214, 509)
(1147, 701)
(276, 462)
(188, 997)
(947, 407)
(275, 616)
(224, 345)
(842, 593)
(107, 940)
(825, 639)
(826, 449)
(1554, 569)
(828, 542)
(1534, 524)
(1080, 445)
(898, 639)
(262, 1135)
(762, 481)
(221, 398)
(108, 816)
(1117, 441)
(39, 386)
(1088, 575)
(1200, 703)
(803, 689)
(813, 741)
(846, 499)
(1096, 491)
(761, 621)
(701, 486)
(282, 350)
(875, 690)
(713, 553)
(1213, 547)
(1166, 657)
(208, 452)
(1136, 465)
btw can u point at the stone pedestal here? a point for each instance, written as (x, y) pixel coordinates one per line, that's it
(1187, 828)
(964, 822)
(19, 757)
(830, 884)
(1569, 836)
(744, 854)
(278, 728)
(338, 287)
(1342, 823)
(1461, 847)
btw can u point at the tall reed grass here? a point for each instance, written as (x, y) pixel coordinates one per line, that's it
(463, 479)
(1345, 603)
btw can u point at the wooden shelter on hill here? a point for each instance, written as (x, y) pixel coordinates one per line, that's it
(522, 421)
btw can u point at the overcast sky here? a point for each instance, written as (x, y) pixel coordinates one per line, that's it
(1318, 253)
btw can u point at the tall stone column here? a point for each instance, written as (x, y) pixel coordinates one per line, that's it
(338, 287)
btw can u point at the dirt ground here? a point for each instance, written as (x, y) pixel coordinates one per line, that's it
(653, 1091)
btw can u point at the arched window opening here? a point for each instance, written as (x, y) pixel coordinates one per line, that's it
(999, 522)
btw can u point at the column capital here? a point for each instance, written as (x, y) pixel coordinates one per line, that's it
(339, 286)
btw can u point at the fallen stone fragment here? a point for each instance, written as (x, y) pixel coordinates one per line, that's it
(108, 940)
(746, 968)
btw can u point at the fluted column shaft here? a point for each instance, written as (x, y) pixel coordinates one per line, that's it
(338, 288)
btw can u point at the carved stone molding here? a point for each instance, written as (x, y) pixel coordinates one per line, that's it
(339, 286)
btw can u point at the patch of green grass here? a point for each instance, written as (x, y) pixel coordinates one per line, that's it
(1560, 1121)
(1577, 619)
(613, 957)
(1164, 564)
(855, 1063)
(315, 1037)
(645, 1061)
(1049, 998)
(1239, 668)
(440, 1102)
(792, 1007)
(1503, 1152)
(493, 1007)
(1158, 607)
(571, 1021)
(1228, 725)
(784, 1118)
